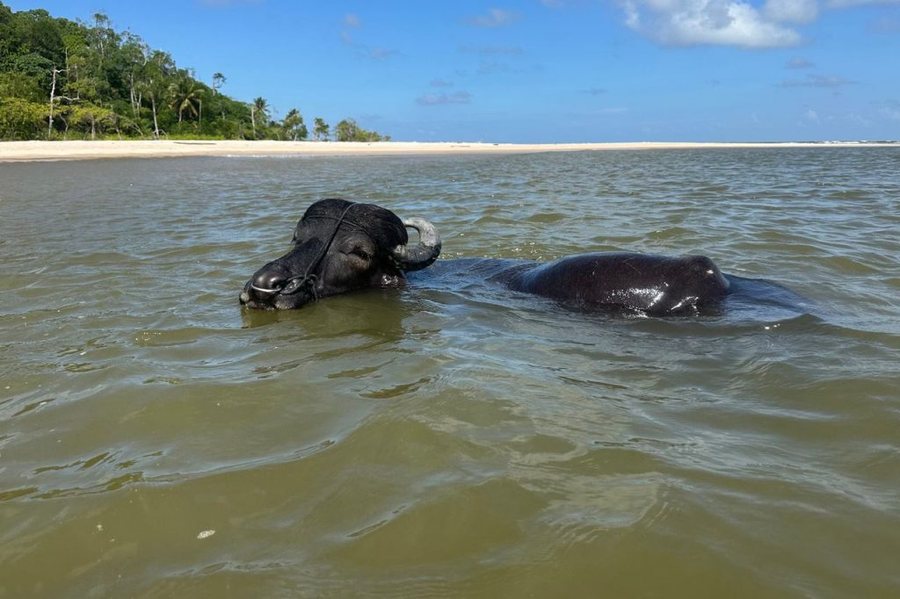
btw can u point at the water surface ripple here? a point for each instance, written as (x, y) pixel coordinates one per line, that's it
(453, 438)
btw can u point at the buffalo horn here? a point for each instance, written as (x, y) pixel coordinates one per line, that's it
(425, 252)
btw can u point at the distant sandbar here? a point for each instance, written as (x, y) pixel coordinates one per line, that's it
(16, 151)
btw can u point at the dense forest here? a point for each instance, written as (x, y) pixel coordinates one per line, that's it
(62, 79)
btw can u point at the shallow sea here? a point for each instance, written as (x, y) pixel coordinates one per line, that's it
(453, 438)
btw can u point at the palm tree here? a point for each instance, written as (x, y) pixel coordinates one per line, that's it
(218, 80)
(185, 95)
(260, 107)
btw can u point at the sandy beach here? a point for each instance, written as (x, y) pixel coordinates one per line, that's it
(16, 151)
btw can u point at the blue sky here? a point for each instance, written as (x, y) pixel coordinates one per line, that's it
(543, 70)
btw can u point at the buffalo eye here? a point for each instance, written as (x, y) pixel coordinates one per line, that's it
(361, 253)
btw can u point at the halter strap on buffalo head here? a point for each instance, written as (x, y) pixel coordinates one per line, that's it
(404, 257)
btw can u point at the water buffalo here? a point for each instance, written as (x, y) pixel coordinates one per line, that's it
(340, 246)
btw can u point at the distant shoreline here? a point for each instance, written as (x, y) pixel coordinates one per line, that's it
(26, 151)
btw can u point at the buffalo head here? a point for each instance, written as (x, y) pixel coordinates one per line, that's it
(340, 246)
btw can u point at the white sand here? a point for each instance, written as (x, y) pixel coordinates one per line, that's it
(14, 151)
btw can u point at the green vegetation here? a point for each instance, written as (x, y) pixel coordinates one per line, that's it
(348, 130)
(61, 79)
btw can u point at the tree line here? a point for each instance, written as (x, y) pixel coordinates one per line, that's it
(62, 79)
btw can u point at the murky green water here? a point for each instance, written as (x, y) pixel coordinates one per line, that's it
(451, 439)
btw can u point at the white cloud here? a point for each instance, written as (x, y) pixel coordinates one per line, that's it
(799, 63)
(351, 21)
(847, 3)
(885, 25)
(495, 17)
(708, 22)
(858, 119)
(460, 97)
(821, 81)
(891, 110)
(493, 67)
(380, 53)
(791, 11)
(489, 50)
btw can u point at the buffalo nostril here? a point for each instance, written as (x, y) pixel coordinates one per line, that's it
(269, 281)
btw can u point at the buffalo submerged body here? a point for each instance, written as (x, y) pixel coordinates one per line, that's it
(341, 246)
